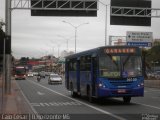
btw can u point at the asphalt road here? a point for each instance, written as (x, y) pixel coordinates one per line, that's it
(55, 103)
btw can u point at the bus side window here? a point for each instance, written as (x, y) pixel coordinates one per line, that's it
(72, 65)
(85, 63)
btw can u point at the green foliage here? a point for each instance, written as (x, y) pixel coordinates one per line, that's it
(153, 54)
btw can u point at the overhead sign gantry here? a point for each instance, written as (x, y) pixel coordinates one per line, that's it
(58, 7)
(132, 12)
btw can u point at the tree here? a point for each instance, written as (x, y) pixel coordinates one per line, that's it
(153, 55)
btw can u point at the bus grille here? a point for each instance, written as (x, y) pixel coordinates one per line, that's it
(121, 83)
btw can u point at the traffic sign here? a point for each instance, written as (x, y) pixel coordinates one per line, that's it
(135, 38)
(140, 44)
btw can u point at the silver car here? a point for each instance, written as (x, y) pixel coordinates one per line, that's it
(54, 78)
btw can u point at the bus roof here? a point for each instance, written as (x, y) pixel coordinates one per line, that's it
(19, 67)
(94, 52)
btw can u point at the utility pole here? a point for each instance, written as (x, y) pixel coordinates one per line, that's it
(8, 42)
(2, 40)
(106, 26)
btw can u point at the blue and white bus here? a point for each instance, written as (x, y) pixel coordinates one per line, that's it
(110, 71)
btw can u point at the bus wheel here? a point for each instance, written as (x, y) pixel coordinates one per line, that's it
(73, 94)
(89, 95)
(127, 99)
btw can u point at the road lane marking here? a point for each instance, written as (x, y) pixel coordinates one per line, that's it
(153, 90)
(95, 108)
(35, 104)
(147, 105)
(40, 93)
(32, 108)
(145, 91)
(57, 104)
(156, 97)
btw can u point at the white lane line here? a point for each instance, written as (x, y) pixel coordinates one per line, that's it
(95, 108)
(35, 104)
(145, 91)
(32, 108)
(147, 105)
(56, 104)
(153, 90)
(40, 93)
(156, 98)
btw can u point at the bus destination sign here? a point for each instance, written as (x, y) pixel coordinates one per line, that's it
(119, 50)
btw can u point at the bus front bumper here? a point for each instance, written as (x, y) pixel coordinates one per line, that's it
(103, 92)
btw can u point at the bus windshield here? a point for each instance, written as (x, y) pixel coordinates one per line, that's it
(132, 66)
(120, 66)
(20, 71)
(109, 66)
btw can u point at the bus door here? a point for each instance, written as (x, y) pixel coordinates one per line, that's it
(67, 74)
(78, 74)
(94, 75)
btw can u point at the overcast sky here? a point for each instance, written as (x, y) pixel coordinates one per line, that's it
(37, 36)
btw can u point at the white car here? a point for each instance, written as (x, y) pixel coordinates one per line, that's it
(54, 78)
(30, 74)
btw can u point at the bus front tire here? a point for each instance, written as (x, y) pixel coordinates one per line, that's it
(89, 95)
(73, 94)
(127, 100)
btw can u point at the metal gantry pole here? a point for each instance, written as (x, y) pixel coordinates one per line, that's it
(75, 39)
(106, 27)
(8, 56)
(4, 72)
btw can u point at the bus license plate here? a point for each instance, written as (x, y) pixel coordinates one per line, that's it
(122, 91)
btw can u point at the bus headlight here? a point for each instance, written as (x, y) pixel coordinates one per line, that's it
(141, 84)
(102, 85)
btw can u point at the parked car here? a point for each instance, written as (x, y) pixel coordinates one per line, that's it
(54, 78)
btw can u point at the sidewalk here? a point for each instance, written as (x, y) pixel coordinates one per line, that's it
(14, 103)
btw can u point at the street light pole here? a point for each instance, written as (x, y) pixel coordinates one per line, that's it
(75, 39)
(8, 38)
(106, 35)
(67, 39)
(75, 27)
(3, 69)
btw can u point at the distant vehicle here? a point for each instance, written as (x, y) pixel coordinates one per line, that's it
(109, 71)
(157, 75)
(47, 73)
(35, 73)
(20, 72)
(38, 78)
(30, 74)
(54, 78)
(153, 75)
(42, 74)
